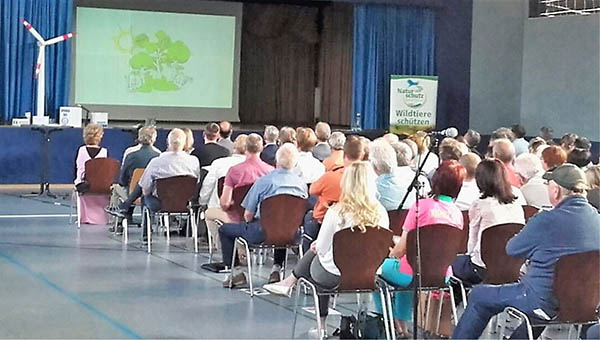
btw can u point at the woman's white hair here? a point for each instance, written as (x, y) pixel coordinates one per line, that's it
(528, 165)
(404, 153)
(337, 140)
(382, 156)
(271, 134)
(287, 156)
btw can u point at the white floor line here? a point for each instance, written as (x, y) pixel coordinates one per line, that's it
(35, 216)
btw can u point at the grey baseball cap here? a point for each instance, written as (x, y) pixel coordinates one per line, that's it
(568, 176)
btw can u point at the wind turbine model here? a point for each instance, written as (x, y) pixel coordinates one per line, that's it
(40, 73)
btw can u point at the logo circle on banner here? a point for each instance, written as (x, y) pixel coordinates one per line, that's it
(413, 95)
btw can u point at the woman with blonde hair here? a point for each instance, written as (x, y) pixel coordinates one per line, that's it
(423, 142)
(92, 206)
(358, 207)
(189, 140)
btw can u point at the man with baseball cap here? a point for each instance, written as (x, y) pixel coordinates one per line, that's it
(572, 226)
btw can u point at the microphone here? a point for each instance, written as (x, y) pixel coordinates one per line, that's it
(449, 132)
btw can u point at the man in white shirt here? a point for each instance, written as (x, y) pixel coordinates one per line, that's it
(534, 189)
(209, 192)
(469, 191)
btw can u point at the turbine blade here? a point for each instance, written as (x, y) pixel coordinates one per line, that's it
(60, 38)
(32, 30)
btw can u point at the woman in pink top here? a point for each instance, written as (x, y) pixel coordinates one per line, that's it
(92, 205)
(439, 208)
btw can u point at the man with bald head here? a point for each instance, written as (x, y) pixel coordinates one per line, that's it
(504, 150)
(173, 162)
(469, 191)
(322, 149)
(225, 132)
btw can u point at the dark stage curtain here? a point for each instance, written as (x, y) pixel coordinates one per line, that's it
(277, 76)
(388, 40)
(335, 66)
(18, 55)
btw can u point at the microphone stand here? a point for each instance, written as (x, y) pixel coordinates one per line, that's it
(416, 185)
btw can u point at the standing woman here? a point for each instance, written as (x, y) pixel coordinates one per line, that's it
(358, 207)
(439, 208)
(92, 206)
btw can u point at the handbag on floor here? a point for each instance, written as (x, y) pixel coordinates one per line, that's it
(368, 326)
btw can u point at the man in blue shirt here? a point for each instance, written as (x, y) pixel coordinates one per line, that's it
(279, 181)
(572, 227)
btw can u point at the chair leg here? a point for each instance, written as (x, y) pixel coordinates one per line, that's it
(78, 211)
(385, 312)
(245, 244)
(71, 210)
(524, 318)
(233, 257)
(125, 230)
(388, 302)
(439, 314)
(453, 305)
(285, 261)
(167, 225)
(210, 245)
(297, 300)
(146, 214)
(192, 222)
(428, 305)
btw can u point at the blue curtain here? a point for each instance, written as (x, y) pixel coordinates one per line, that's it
(388, 40)
(18, 55)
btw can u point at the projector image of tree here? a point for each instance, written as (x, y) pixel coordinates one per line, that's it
(156, 65)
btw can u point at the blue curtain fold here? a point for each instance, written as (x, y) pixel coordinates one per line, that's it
(18, 55)
(388, 40)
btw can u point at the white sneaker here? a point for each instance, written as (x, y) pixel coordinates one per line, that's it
(313, 333)
(279, 289)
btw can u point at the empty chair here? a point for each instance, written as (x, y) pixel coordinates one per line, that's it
(500, 267)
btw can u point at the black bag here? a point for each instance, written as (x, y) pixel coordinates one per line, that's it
(367, 326)
(83, 187)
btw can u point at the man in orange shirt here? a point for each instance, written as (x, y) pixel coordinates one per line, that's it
(327, 189)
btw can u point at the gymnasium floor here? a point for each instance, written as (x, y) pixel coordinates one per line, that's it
(60, 282)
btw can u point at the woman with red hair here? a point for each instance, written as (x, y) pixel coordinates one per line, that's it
(439, 208)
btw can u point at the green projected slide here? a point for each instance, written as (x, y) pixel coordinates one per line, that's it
(154, 58)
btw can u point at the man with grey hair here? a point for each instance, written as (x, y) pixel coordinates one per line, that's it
(225, 132)
(383, 158)
(535, 191)
(404, 175)
(135, 160)
(336, 159)
(270, 135)
(472, 139)
(322, 150)
(570, 228)
(173, 162)
(504, 150)
(277, 182)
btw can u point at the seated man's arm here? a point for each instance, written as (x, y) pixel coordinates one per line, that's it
(524, 243)
(226, 199)
(316, 188)
(147, 180)
(125, 172)
(250, 203)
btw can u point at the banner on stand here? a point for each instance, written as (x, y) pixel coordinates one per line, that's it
(413, 103)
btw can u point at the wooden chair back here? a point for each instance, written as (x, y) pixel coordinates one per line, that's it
(175, 192)
(135, 178)
(101, 173)
(465, 231)
(439, 246)
(220, 184)
(529, 211)
(577, 287)
(500, 267)
(238, 196)
(397, 218)
(280, 218)
(358, 255)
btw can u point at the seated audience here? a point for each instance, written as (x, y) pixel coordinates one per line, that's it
(413, 154)
(279, 181)
(287, 135)
(209, 195)
(553, 156)
(336, 142)
(520, 143)
(469, 191)
(92, 206)
(423, 142)
(270, 136)
(225, 132)
(173, 162)
(504, 150)
(450, 149)
(546, 133)
(472, 139)
(137, 145)
(210, 150)
(327, 189)
(593, 177)
(570, 228)
(322, 149)
(496, 205)
(136, 160)
(534, 189)
(499, 133)
(308, 168)
(583, 143)
(580, 157)
(391, 138)
(357, 207)
(438, 209)
(535, 146)
(404, 175)
(383, 158)
(567, 142)
(241, 174)
(189, 140)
